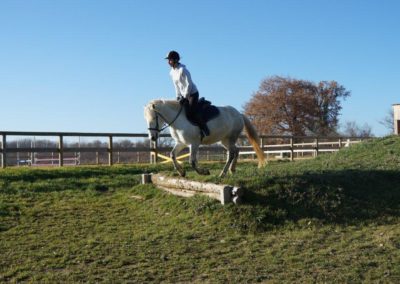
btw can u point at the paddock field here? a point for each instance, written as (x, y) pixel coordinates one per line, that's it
(335, 218)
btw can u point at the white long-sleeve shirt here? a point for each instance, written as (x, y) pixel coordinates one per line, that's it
(182, 80)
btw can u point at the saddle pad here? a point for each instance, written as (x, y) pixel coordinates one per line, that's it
(207, 110)
(204, 109)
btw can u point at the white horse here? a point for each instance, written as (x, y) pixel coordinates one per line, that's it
(225, 128)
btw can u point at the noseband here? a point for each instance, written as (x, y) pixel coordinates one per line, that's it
(166, 124)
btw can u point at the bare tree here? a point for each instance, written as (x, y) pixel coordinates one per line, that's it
(289, 106)
(388, 120)
(351, 128)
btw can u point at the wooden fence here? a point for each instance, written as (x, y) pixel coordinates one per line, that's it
(290, 146)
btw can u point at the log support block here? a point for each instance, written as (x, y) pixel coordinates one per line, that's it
(146, 178)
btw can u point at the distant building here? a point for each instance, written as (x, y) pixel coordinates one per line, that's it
(396, 118)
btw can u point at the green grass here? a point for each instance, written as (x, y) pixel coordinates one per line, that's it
(332, 219)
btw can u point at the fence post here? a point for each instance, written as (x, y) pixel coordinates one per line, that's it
(153, 152)
(262, 148)
(316, 147)
(340, 142)
(60, 151)
(4, 154)
(32, 153)
(110, 150)
(291, 149)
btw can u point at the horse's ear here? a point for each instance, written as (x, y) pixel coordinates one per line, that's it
(153, 106)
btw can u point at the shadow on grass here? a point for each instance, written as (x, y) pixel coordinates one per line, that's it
(333, 196)
(15, 181)
(32, 175)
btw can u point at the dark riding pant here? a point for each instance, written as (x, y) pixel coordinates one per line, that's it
(194, 113)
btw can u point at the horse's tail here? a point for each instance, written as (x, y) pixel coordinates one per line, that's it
(252, 135)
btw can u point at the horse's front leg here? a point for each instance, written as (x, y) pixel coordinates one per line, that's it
(175, 151)
(194, 148)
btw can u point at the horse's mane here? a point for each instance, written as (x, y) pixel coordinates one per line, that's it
(169, 102)
(157, 102)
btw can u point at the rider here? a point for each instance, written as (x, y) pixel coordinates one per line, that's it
(186, 89)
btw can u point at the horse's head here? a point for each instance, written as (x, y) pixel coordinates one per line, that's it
(153, 123)
(160, 112)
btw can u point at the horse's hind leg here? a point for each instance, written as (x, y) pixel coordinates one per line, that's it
(175, 151)
(232, 167)
(193, 160)
(227, 164)
(232, 157)
(229, 159)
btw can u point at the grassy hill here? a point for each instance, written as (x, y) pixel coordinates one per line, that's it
(331, 219)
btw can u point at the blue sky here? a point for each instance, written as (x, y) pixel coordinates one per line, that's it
(92, 65)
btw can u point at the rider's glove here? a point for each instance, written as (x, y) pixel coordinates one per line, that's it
(181, 99)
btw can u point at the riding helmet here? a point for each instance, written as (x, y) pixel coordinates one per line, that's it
(173, 55)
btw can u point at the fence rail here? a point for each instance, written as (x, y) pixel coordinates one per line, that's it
(284, 144)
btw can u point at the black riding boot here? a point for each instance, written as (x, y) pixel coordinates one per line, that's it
(193, 112)
(204, 131)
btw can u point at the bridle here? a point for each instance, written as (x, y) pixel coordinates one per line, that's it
(166, 124)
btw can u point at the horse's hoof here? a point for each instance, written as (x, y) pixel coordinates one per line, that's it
(221, 175)
(182, 173)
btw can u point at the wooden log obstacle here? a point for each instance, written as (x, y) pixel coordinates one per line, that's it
(187, 188)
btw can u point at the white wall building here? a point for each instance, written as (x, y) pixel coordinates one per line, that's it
(396, 118)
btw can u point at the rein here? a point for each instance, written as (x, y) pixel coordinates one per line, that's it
(167, 124)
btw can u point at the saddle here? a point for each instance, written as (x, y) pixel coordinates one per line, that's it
(204, 111)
